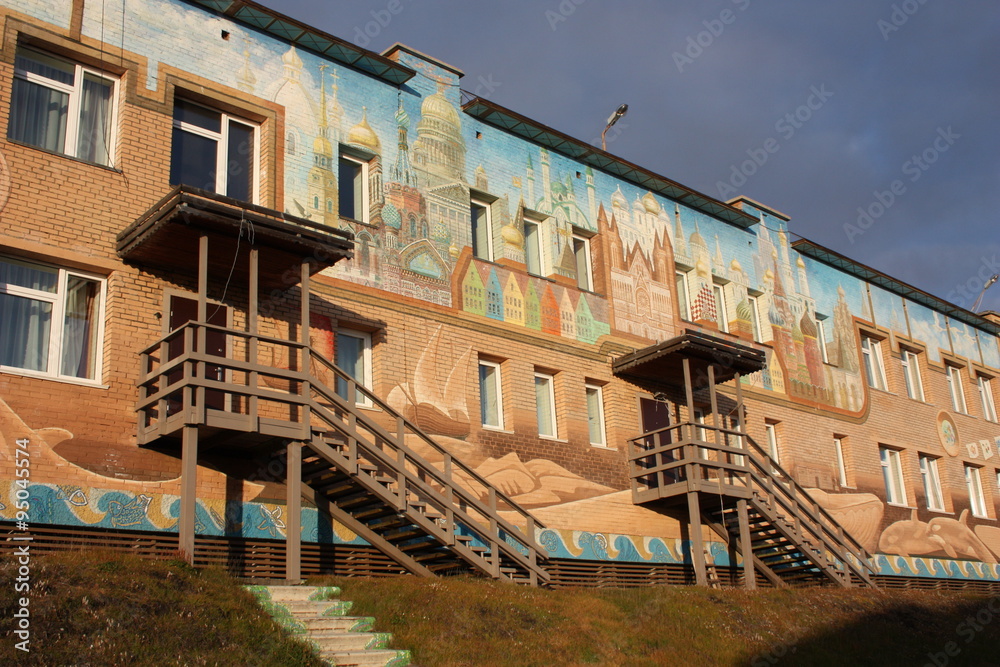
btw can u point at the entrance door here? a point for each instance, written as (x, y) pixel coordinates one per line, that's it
(184, 310)
(656, 415)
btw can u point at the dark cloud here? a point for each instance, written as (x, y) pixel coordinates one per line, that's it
(929, 66)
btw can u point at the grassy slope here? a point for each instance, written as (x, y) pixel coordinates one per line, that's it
(463, 622)
(97, 608)
(94, 608)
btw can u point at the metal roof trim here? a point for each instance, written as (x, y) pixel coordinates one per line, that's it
(898, 287)
(302, 35)
(514, 122)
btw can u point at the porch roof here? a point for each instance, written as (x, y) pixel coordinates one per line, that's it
(166, 238)
(662, 363)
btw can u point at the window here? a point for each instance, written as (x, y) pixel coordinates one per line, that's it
(721, 318)
(581, 251)
(754, 318)
(892, 475)
(62, 106)
(482, 230)
(51, 320)
(771, 432)
(838, 448)
(353, 188)
(490, 395)
(533, 246)
(213, 151)
(932, 482)
(871, 355)
(545, 405)
(975, 485)
(955, 387)
(354, 357)
(683, 306)
(821, 337)
(986, 397)
(595, 414)
(911, 374)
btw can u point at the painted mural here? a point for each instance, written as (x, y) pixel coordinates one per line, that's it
(425, 160)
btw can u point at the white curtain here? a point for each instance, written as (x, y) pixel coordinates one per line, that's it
(95, 121)
(79, 349)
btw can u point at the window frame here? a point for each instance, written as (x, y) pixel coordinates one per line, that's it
(477, 252)
(985, 384)
(550, 381)
(498, 381)
(366, 361)
(821, 337)
(74, 108)
(539, 256)
(974, 485)
(755, 331)
(871, 357)
(912, 379)
(363, 166)
(771, 437)
(222, 146)
(930, 475)
(57, 322)
(841, 461)
(719, 294)
(683, 287)
(581, 253)
(956, 389)
(591, 388)
(890, 460)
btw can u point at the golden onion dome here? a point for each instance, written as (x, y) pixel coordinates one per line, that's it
(650, 204)
(437, 106)
(512, 236)
(363, 135)
(292, 59)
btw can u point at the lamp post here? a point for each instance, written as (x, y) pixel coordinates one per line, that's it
(989, 284)
(615, 117)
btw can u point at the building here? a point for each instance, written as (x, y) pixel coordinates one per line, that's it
(279, 301)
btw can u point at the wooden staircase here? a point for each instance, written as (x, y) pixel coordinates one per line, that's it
(748, 500)
(359, 465)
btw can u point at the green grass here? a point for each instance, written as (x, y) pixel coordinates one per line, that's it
(103, 608)
(475, 622)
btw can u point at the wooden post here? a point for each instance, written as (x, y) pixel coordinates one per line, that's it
(189, 486)
(253, 308)
(201, 345)
(746, 546)
(689, 394)
(697, 546)
(304, 368)
(293, 518)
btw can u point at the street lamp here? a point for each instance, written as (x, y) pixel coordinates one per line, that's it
(615, 117)
(989, 284)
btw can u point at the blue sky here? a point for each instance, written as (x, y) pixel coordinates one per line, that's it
(832, 100)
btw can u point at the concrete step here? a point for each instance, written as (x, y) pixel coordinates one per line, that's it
(333, 640)
(295, 593)
(317, 626)
(381, 658)
(309, 613)
(318, 608)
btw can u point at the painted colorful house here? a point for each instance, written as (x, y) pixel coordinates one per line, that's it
(281, 302)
